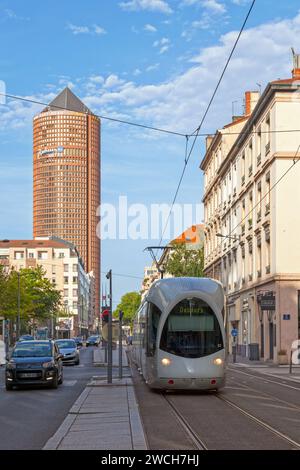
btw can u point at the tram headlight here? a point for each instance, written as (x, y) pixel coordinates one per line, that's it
(218, 361)
(165, 361)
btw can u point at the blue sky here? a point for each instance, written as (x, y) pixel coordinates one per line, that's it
(150, 61)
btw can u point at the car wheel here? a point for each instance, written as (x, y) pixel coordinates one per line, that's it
(77, 362)
(8, 386)
(55, 381)
(61, 378)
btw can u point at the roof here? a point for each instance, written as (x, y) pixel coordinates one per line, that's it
(32, 244)
(165, 293)
(67, 100)
(193, 235)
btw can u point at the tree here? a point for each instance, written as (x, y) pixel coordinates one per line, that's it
(129, 305)
(39, 299)
(184, 262)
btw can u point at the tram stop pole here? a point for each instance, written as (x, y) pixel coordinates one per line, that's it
(120, 345)
(109, 339)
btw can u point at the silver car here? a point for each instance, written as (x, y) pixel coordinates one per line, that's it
(69, 351)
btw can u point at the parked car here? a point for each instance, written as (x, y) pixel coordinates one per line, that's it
(34, 363)
(69, 351)
(26, 338)
(78, 340)
(93, 341)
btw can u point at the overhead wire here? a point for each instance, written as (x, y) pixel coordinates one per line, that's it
(122, 121)
(197, 131)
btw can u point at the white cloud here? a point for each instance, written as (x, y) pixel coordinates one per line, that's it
(150, 28)
(164, 45)
(212, 5)
(113, 81)
(150, 68)
(95, 29)
(263, 54)
(150, 5)
(137, 72)
(98, 29)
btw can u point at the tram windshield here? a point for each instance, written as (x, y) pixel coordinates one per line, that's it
(191, 330)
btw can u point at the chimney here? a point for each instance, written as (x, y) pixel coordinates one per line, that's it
(209, 140)
(251, 99)
(296, 62)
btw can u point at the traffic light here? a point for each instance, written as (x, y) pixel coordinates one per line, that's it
(105, 315)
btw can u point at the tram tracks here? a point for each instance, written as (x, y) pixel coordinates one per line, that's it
(198, 441)
(260, 422)
(192, 434)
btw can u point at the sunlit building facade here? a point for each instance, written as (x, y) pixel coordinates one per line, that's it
(66, 178)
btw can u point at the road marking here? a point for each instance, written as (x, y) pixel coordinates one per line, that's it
(69, 383)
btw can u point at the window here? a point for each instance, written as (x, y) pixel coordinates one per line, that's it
(75, 292)
(19, 255)
(191, 330)
(42, 255)
(30, 255)
(152, 326)
(66, 268)
(66, 292)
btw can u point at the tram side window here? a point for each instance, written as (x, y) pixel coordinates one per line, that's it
(152, 326)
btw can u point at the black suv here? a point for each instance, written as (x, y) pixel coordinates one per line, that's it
(34, 363)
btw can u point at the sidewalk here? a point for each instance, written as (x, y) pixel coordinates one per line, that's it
(104, 417)
(267, 368)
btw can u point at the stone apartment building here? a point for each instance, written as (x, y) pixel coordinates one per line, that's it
(251, 198)
(64, 268)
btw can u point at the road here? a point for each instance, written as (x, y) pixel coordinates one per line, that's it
(253, 412)
(29, 417)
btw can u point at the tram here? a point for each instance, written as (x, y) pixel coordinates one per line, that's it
(179, 336)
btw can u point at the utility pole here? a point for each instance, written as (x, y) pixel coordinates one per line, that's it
(109, 358)
(120, 345)
(19, 305)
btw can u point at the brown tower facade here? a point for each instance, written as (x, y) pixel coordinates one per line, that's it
(66, 178)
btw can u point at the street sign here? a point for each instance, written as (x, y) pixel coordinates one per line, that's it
(234, 332)
(115, 331)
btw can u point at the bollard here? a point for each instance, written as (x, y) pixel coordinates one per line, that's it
(291, 361)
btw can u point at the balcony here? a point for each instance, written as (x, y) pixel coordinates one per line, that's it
(267, 209)
(250, 170)
(267, 148)
(259, 159)
(243, 229)
(268, 269)
(243, 180)
(258, 215)
(258, 273)
(250, 277)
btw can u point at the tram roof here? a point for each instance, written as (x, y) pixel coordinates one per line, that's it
(165, 291)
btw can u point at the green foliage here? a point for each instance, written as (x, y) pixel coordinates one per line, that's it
(184, 262)
(38, 297)
(129, 304)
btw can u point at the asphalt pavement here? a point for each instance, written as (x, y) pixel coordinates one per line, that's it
(29, 417)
